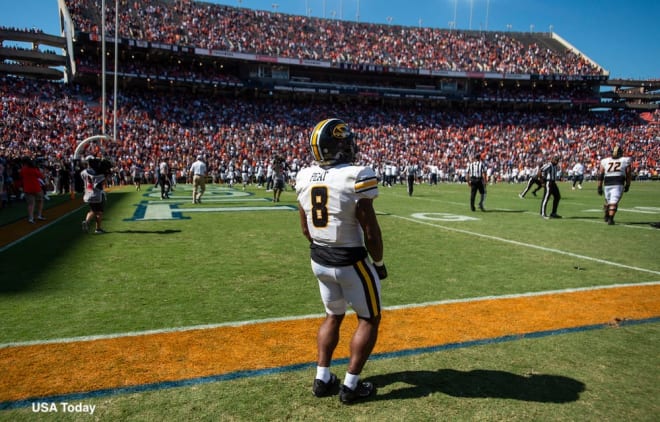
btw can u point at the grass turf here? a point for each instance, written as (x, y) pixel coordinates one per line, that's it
(213, 267)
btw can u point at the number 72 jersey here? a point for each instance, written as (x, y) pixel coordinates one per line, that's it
(615, 170)
(329, 198)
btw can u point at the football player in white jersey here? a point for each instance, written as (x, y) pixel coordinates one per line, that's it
(615, 174)
(335, 202)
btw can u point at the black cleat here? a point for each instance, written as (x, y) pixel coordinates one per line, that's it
(362, 391)
(324, 389)
(553, 215)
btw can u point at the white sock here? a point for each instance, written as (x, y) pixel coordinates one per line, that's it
(351, 381)
(323, 373)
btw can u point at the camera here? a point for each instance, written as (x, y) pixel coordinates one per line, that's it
(105, 166)
(100, 165)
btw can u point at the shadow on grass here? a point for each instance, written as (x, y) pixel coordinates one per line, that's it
(23, 265)
(168, 231)
(479, 383)
(654, 224)
(498, 210)
(16, 210)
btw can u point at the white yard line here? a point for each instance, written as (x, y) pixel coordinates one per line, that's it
(527, 245)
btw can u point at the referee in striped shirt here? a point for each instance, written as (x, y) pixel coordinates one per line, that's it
(476, 179)
(548, 173)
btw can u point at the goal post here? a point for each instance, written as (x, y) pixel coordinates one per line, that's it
(81, 146)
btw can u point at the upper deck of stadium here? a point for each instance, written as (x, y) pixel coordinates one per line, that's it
(217, 29)
(197, 45)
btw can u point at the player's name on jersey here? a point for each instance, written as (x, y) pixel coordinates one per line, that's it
(318, 176)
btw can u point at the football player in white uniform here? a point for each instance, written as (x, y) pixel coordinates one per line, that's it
(335, 202)
(615, 174)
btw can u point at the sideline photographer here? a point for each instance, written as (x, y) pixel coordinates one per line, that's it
(93, 177)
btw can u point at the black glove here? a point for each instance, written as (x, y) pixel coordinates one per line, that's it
(381, 270)
(626, 188)
(600, 190)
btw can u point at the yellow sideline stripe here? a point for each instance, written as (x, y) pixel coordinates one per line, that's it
(80, 366)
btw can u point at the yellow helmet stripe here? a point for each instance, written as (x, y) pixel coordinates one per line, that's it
(314, 140)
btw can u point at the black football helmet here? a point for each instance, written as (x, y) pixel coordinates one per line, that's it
(617, 152)
(332, 142)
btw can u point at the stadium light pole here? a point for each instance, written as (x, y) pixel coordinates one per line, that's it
(487, 11)
(103, 67)
(471, 7)
(114, 102)
(357, 13)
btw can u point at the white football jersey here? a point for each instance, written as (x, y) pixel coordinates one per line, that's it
(615, 170)
(329, 198)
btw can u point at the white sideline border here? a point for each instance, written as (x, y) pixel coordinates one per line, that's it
(314, 316)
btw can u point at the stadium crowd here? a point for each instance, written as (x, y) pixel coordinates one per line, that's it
(46, 120)
(239, 135)
(227, 28)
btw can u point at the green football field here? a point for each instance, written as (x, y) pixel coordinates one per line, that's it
(239, 257)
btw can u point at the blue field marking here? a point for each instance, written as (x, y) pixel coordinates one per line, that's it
(173, 208)
(18, 404)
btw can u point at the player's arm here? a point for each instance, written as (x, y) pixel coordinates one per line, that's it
(303, 223)
(628, 178)
(373, 240)
(601, 178)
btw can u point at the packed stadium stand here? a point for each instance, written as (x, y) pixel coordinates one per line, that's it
(236, 84)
